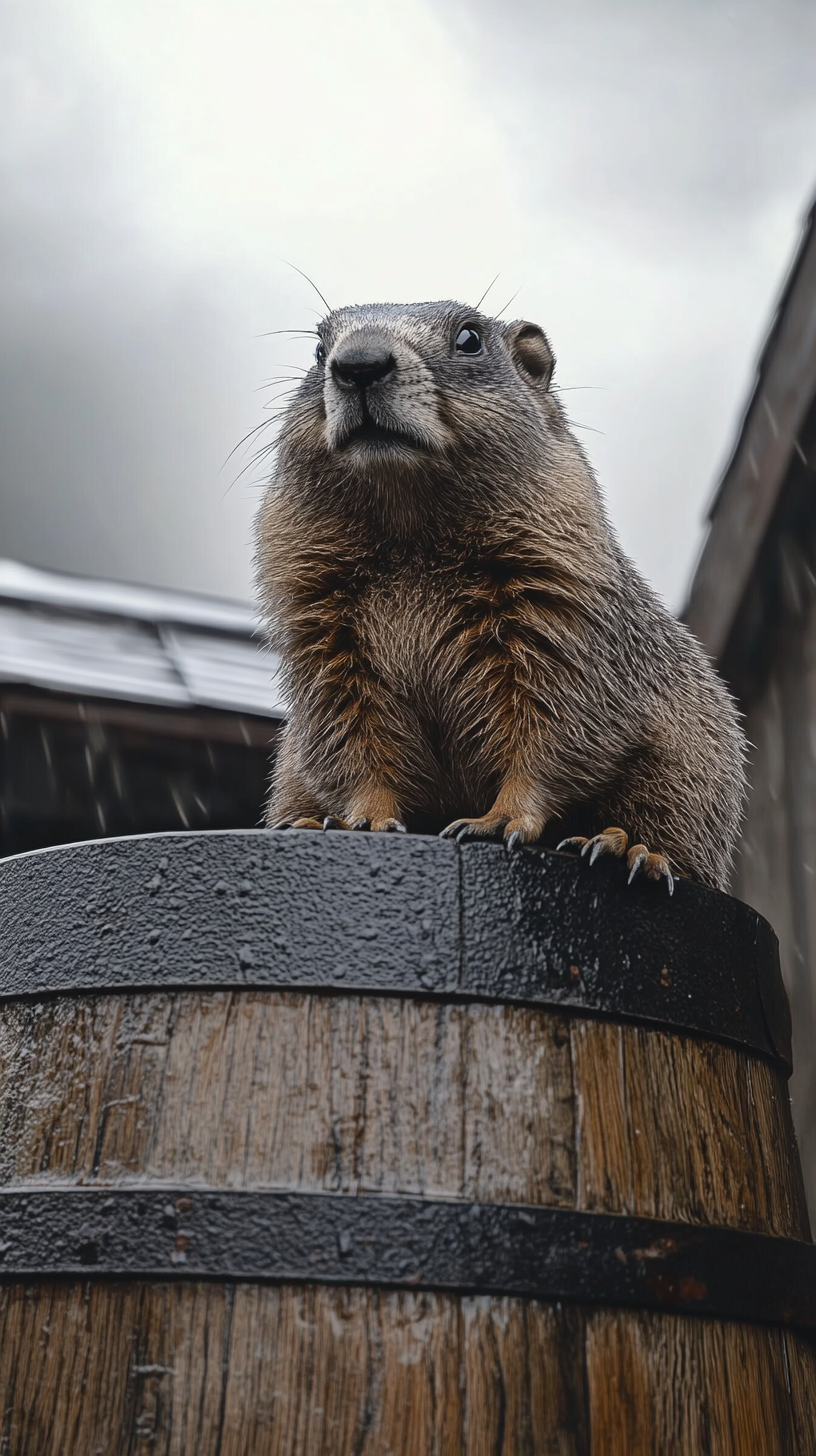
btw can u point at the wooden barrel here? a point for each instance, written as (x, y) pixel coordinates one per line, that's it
(370, 1144)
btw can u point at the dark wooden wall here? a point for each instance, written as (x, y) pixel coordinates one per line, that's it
(771, 664)
(73, 769)
(776, 870)
(752, 603)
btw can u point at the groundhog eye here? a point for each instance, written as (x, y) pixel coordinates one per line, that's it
(320, 354)
(468, 341)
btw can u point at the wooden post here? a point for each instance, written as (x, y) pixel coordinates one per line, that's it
(320, 1144)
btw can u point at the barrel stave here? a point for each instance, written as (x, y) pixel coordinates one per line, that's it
(695, 1386)
(388, 1095)
(676, 1128)
(249, 1370)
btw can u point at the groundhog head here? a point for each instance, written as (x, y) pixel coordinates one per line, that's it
(417, 404)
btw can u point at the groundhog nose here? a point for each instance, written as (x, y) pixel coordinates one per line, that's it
(358, 365)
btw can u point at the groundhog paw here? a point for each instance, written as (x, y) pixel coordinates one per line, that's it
(514, 832)
(616, 842)
(612, 841)
(379, 826)
(331, 821)
(305, 822)
(464, 829)
(518, 832)
(653, 866)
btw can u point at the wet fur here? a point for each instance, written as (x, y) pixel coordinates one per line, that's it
(461, 633)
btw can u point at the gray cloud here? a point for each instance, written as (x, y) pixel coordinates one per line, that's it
(125, 377)
(653, 112)
(640, 168)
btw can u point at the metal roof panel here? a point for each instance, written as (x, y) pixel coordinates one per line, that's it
(19, 582)
(75, 653)
(225, 672)
(102, 639)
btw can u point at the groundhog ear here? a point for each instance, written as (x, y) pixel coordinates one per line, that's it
(531, 352)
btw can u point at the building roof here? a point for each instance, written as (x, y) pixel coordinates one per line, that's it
(768, 439)
(104, 639)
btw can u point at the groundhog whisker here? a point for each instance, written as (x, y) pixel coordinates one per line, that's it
(487, 290)
(309, 280)
(256, 429)
(510, 300)
(274, 399)
(277, 402)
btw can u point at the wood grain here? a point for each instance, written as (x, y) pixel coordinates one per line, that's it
(263, 1090)
(523, 1378)
(200, 1370)
(750, 489)
(603, 1133)
(774, 870)
(696, 1387)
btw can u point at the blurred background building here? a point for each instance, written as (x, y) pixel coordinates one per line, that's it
(753, 604)
(125, 709)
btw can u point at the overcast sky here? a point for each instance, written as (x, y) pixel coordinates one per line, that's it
(639, 170)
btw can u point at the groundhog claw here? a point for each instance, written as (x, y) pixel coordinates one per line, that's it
(615, 842)
(654, 866)
(514, 832)
(464, 829)
(612, 841)
(331, 821)
(635, 859)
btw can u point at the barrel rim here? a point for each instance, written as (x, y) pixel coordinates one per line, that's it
(266, 910)
(156, 1232)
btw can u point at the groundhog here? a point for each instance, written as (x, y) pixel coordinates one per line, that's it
(462, 637)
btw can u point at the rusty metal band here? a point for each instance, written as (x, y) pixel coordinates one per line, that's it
(390, 915)
(406, 1243)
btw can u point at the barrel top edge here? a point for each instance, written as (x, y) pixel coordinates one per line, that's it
(398, 913)
(260, 836)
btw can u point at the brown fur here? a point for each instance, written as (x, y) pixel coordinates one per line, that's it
(461, 634)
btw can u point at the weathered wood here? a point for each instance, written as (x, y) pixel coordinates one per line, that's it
(753, 605)
(755, 475)
(775, 869)
(691, 1387)
(199, 1370)
(360, 1094)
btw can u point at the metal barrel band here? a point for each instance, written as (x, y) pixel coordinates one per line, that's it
(389, 915)
(532, 1252)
